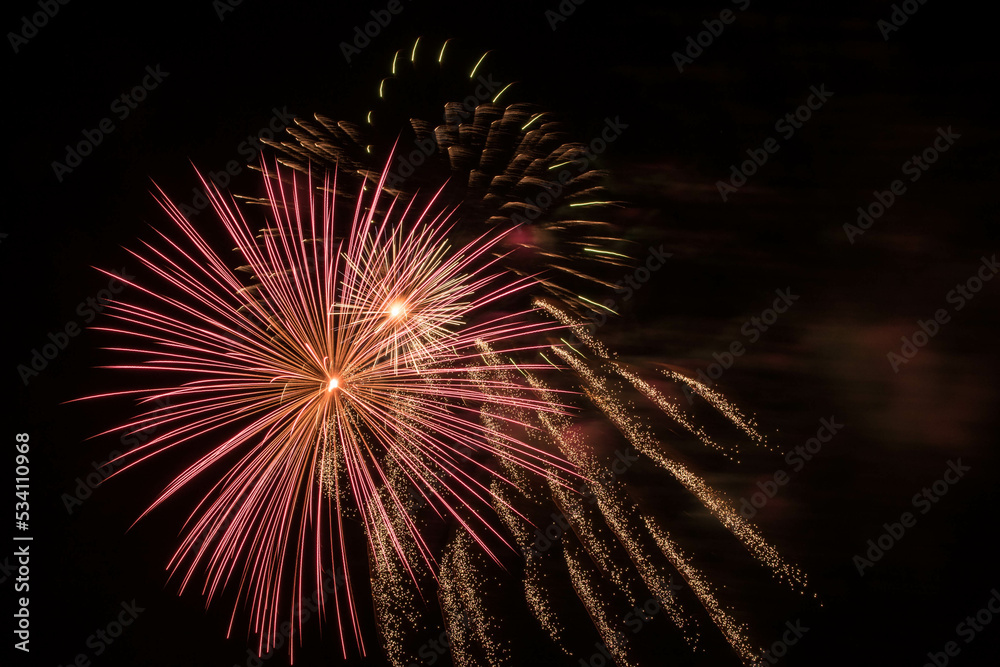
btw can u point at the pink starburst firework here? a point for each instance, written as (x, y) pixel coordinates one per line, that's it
(354, 358)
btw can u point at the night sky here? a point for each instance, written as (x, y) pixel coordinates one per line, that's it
(216, 74)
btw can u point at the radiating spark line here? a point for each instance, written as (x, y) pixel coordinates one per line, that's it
(605, 252)
(530, 121)
(735, 633)
(719, 402)
(594, 303)
(502, 91)
(478, 63)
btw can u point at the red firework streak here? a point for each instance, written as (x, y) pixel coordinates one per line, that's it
(348, 364)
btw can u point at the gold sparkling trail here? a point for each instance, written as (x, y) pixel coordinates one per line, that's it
(642, 440)
(538, 584)
(471, 624)
(394, 593)
(667, 406)
(574, 325)
(587, 531)
(460, 640)
(398, 578)
(714, 398)
(621, 516)
(600, 612)
(619, 513)
(719, 402)
(734, 632)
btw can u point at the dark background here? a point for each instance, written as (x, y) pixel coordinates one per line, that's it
(827, 356)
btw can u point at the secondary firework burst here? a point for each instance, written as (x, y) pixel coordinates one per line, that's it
(344, 361)
(509, 163)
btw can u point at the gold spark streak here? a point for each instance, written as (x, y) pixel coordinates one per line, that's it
(480, 62)
(601, 251)
(714, 398)
(502, 91)
(394, 592)
(538, 584)
(719, 402)
(642, 440)
(600, 613)
(471, 624)
(619, 513)
(532, 120)
(735, 633)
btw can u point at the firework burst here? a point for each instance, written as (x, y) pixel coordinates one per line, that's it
(346, 363)
(382, 361)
